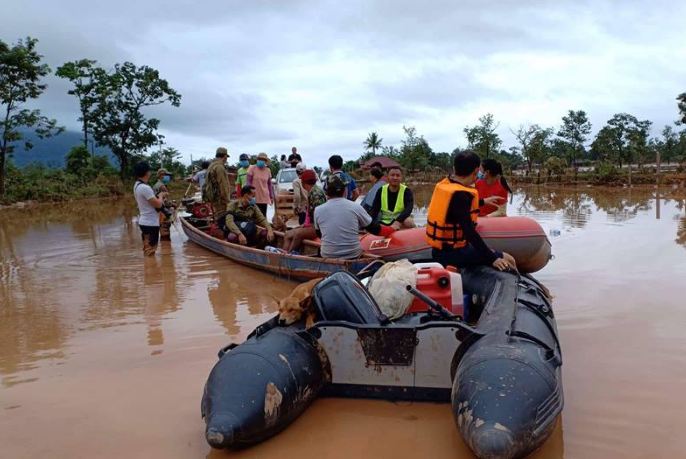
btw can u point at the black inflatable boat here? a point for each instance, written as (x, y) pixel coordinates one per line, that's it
(502, 376)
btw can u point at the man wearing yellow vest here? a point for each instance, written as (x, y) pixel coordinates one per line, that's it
(393, 202)
(452, 217)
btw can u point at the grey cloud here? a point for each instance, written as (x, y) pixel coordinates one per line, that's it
(236, 63)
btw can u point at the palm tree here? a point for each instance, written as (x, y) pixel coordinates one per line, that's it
(373, 142)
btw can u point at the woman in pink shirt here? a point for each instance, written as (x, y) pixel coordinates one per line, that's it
(260, 176)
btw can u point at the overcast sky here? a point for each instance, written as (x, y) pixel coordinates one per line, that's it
(320, 75)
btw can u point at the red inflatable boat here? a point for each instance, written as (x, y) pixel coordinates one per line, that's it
(521, 237)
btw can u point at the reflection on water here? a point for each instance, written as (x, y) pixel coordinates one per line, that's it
(86, 322)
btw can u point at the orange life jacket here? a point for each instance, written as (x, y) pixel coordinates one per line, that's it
(440, 234)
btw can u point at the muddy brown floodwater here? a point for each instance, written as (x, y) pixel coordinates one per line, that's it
(104, 354)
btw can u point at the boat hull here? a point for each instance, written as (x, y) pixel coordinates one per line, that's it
(522, 237)
(502, 377)
(289, 266)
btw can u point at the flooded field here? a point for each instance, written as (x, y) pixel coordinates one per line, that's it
(104, 354)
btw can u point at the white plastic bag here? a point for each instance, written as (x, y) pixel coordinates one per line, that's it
(388, 287)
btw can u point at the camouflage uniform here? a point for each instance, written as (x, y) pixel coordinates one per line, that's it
(216, 189)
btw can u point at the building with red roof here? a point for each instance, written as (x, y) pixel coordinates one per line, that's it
(383, 162)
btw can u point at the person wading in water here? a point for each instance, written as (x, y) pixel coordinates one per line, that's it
(148, 207)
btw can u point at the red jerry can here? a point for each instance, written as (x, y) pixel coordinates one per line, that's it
(442, 285)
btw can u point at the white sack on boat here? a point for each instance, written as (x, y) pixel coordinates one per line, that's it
(387, 287)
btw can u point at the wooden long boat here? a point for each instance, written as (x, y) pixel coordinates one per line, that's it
(297, 267)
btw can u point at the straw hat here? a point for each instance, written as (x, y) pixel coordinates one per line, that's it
(263, 156)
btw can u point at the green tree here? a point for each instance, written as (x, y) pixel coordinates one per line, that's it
(274, 165)
(390, 151)
(510, 159)
(443, 161)
(575, 130)
(415, 151)
(373, 142)
(350, 166)
(627, 131)
(682, 106)
(638, 142)
(482, 138)
(605, 146)
(533, 141)
(78, 159)
(118, 118)
(668, 144)
(21, 72)
(168, 158)
(85, 76)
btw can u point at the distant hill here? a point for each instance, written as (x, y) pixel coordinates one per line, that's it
(52, 151)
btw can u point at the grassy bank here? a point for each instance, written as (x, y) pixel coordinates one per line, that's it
(601, 176)
(37, 183)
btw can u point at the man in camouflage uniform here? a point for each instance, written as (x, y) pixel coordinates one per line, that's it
(244, 222)
(216, 190)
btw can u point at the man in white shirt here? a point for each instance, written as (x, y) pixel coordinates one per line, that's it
(148, 203)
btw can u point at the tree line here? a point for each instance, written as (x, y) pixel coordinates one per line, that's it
(112, 104)
(623, 140)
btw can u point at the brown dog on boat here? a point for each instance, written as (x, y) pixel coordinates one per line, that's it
(297, 304)
(279, 222)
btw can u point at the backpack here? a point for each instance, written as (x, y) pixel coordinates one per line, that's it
(208, 189)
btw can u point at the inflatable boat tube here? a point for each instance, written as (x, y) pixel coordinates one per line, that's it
(507, 392)
(256, 389)
(522, 237)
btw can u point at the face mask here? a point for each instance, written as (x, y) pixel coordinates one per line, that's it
(166, 179)
(480, 175)
(252, 201)
(244, 163)
(260, 163)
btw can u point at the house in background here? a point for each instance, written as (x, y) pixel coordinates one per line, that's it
(382, 162)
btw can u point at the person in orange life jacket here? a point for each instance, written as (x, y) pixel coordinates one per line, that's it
(492, 183)
(452, 216)
(394, 202)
